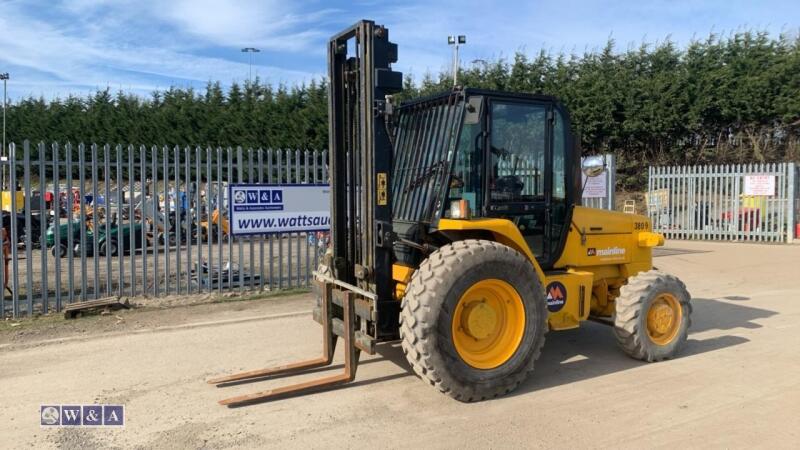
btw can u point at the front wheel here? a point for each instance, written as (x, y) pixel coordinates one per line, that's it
(653, 316)
(473, 319)
(59, 251)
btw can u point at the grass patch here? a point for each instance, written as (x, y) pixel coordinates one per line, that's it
(40, 321)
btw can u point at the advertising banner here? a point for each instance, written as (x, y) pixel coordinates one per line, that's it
(278, 208)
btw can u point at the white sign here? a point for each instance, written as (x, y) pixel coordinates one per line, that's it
(759, 185)
(596, 187)
(276, 208)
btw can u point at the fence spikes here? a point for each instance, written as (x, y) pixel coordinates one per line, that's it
(738, 202)
(99, 220)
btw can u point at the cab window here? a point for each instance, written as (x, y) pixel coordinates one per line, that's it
(465, 179)
(517, 148)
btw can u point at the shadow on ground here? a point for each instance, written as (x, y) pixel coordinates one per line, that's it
(591, 350)
(664, 251)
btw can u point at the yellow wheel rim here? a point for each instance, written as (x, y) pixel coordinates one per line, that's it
(664, 319)
(488, 324)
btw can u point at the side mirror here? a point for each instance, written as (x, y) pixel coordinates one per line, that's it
(593, 166)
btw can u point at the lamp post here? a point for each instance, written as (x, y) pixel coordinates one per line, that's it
(250, 51)
(4, 77)
(455, 41)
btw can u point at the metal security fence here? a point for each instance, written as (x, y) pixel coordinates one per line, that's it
(598, 192)
(84, 222)
(753, 202)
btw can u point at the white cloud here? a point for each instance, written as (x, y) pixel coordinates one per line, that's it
(52, 47)
(50, 59)
(270, 24)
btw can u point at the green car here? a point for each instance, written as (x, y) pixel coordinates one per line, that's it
(105, 246)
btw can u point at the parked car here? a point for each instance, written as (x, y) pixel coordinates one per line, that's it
(106, 244)
(35, 227)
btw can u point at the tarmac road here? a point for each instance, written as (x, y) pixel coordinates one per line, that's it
(737, 383)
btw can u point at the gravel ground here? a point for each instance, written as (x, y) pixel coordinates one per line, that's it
(734, 386)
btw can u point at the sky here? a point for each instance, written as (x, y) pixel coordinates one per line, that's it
(57, 48)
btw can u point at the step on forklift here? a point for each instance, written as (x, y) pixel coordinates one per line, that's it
(457, 229)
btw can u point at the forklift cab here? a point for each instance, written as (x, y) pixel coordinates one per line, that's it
(516, 159)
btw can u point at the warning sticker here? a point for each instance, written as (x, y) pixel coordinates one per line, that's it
(556, 296)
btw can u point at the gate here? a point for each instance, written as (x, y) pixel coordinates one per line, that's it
(753, 202)
(90, 221)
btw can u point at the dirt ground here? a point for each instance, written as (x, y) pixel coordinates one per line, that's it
(735, 385)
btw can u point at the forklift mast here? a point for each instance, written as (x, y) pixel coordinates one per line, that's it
(360, 82)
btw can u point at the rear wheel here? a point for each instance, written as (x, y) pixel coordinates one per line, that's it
(653, 315)
(473, 319)
(108, 248)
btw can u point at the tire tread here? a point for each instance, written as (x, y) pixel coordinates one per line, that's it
(418, 320)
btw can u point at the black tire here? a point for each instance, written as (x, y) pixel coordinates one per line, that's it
(168, 238)
(59, 251)
(213, 233)
(426, 318)
(632, 306)
(109, 248)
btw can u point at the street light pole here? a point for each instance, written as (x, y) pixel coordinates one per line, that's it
(456, 41)
(250, 51)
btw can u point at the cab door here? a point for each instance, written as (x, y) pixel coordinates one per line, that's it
(525, 177)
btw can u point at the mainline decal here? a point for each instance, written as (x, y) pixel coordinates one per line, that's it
(556, 295)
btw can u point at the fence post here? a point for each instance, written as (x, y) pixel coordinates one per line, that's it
(14, 283)
(28, 230)
(43, 215)
(611, 182)
(791, 210)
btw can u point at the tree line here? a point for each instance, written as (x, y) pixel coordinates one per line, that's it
(249, 115)
(723, 99)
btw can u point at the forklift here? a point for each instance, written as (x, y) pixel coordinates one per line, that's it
(457, 229)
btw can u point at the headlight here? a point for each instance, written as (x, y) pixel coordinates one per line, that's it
(459, 209)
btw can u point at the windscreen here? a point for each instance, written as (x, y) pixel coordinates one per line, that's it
(425, 144)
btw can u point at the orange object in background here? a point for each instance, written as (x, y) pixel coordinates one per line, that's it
(749, 218)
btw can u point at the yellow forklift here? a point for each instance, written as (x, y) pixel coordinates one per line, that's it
(457, 229)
